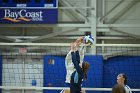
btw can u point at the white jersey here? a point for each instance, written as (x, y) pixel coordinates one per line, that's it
(69, 65)
(127, 89)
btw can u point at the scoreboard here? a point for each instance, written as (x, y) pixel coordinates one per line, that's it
(29, 3)
(28, 11)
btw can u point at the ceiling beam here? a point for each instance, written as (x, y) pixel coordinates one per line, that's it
(110, 11)
(72, 37)
(7, 39)
(98, 37)
(47, 25)
(117, 14)
(99, 29)
(73, 12)
(126, 33)
(22, 37)
(70, 14)
(49, 35)
(82, 25)
(119, 25)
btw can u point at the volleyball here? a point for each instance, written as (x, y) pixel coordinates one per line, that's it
(88, 40)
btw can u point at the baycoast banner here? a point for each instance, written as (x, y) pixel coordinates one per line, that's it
(28, 16)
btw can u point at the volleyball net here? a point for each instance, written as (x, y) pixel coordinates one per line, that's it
(111, 50)
(35, 67)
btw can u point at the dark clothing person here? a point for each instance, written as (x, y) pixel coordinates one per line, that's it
(77, 75)
(118, 89)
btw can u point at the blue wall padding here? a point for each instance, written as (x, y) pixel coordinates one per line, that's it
(0, 73)
(55, 73)
(101, 73)
(95, 73)
(130, 65)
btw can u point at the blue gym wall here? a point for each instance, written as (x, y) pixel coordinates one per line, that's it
(130, 65)
(95, 73)
(102, 73)
(54, 74)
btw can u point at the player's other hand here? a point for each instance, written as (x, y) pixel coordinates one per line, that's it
(79, 41)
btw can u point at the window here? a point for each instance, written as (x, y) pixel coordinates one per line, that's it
(5, 1)
(49, 1)
(21, 1)
(37, 1)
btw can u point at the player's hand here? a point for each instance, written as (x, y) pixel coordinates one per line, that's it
(79, 41)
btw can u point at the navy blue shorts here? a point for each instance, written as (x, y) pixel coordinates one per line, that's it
(67, 84)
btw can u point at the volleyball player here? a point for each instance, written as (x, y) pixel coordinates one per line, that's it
(118, 89)
(81, 70)
(68, 62)
(122, 80)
